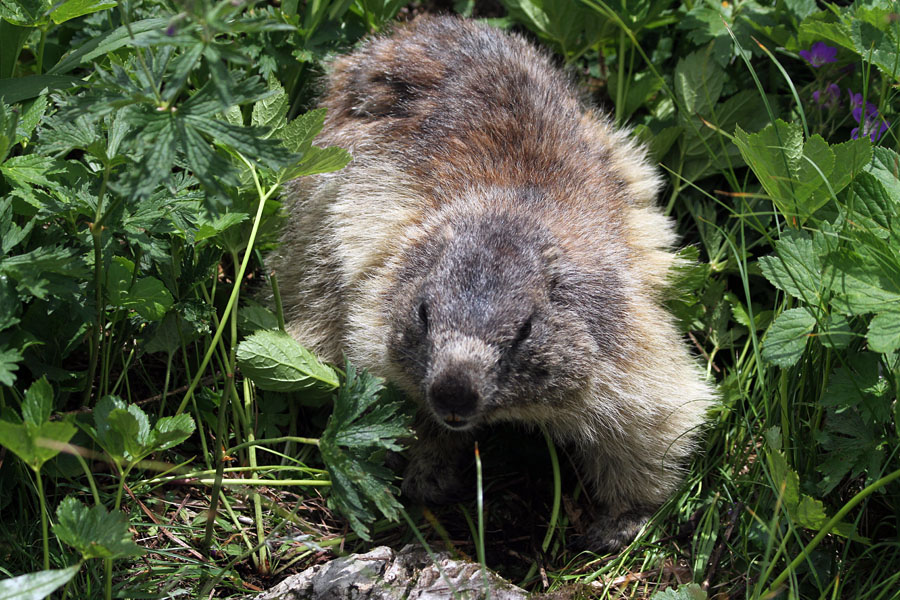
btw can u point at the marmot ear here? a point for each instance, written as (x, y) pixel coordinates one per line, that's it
(384, 79)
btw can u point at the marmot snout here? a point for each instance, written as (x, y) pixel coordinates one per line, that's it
(494, 249)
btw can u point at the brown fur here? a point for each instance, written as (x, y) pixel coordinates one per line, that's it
(494, 248)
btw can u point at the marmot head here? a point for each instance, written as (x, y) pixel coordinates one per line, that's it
(490, 321)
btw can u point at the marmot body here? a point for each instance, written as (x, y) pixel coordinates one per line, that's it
(494, 249)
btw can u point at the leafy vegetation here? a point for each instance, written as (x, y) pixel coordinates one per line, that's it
(145, 384)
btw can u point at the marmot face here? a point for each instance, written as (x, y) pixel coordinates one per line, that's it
(482, 324)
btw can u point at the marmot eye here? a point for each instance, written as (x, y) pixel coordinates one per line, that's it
(423, 314)
(524, 332)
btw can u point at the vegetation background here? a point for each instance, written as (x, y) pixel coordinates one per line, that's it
(143, 144)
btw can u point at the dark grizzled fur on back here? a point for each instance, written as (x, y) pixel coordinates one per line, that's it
(495, 249)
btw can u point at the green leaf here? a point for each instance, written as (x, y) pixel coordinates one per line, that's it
(698, 82)
(864, 282)
(210, 228)
(30, 170)
(786, 338)
(271, 112)
(71, 9)
(836, 332)
(797, 267)
(800, 177)
(36, 586)
(108, 42)
(276, 362)
(884, 331)
(94, 532)
(685, 591)
(168, 432)
(319, 160)
(148, 296)
(356, 432)
(18, 89)
(35, 444)
(9, 364)
(38, 402)
(298, 135)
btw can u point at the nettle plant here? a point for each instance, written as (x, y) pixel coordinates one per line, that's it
(139, 174)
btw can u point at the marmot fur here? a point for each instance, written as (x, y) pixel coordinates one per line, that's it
(495, 250)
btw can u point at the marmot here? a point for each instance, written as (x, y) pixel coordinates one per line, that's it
(494, 249)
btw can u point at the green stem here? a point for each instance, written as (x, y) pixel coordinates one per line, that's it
(232, 299)
(826, 529)
(45, 530)
(96, 235)
(620, 84)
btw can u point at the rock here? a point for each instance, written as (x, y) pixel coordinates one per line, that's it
(383, 574)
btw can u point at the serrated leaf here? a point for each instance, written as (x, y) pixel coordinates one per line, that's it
(355, 430)
(298, 135)
(884, 331)
(276, 362)
(38, 402)
(863, 282)
(9, 364)
(270, 112)
(211, 228)
(836, 332)
(30, 170)
(800, 177)
(797, 267)
(36, 586)
(94, 532)
(108, 42)
(786, 338)
(319, 160)
(698, 82)
(133, 426)
(168, 432)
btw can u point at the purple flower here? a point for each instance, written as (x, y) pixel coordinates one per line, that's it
(819, 54)
(827, 97)
(873, 127)
(871, 124)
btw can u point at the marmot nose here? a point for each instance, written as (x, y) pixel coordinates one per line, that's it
(454, 398)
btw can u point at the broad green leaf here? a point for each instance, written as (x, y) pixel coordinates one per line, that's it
(17, 89)
(796, 267)
(149, 298)
(30, 170)
(94, 532)
(275, 361)
(12, 39)
(885, 166)
(35, 444)
(836, 332)
(874, 40)
(698, 82)
(36, 586)
(863, 282)
(800, 177)
(803, 509)
(685, 591)
(884, 331)
(211, 228)
(168, 432)
(319, 160)
(133, 426)
(298, 135)
(786, 338)
(38, 402)
(71, 9)
(270, 112)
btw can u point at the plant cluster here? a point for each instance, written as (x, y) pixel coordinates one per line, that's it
(142, 149)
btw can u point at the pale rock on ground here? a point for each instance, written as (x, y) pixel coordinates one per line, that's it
(383, 574)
